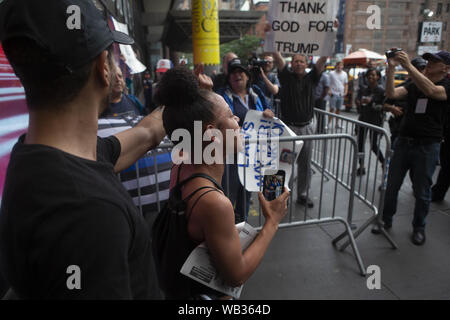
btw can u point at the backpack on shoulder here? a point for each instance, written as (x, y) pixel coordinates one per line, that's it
(171, 244)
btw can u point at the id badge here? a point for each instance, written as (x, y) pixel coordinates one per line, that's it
(421, 106)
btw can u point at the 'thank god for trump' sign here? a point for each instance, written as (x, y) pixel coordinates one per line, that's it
(305, 27)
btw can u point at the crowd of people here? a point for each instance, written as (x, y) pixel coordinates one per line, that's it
(64, 207)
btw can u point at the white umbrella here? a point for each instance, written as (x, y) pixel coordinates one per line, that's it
(373, 55)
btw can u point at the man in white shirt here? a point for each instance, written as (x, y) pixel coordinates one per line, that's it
(338, 88)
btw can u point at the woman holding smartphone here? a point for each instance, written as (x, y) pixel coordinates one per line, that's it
(370, 101)
(209, 213)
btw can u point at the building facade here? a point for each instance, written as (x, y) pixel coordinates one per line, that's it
(400, 24)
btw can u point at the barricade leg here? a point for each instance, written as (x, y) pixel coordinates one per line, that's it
(373, 220)
(347, 231)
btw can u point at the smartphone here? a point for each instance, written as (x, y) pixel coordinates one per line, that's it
(273, 185)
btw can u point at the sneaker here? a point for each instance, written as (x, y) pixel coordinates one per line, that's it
(360, 171)
(303, 200)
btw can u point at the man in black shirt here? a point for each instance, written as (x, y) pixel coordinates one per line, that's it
(443, 182)
(396, 107)
(68, 228)
(297, 95)
(417, 147)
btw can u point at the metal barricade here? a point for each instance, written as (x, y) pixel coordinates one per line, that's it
(368, 183)
(325, 212)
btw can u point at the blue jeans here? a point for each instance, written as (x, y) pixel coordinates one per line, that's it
(239, 197)
(421, 159)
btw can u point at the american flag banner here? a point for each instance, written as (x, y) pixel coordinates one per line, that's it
(13, 113)
(148, 179)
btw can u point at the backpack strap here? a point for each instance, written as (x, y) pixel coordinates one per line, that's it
(196, 175)
(195, 191)
(197, 200)
(202, 175)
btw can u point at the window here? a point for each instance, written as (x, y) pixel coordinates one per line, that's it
(395, 21)
(378, 34)
(448, 7)
(439, 9)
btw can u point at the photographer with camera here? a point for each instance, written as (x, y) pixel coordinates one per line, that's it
(264, 78)
(421, 131)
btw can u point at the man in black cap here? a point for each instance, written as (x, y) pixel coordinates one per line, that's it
(396, 107)
(421, 131)
(68, 228)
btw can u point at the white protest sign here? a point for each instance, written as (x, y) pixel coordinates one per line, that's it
(262, 156)
(424, 49)
(305, 27)
(130, 58)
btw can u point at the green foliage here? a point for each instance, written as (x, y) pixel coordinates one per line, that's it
(243, 47)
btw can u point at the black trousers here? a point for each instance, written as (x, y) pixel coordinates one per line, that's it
(320, 104)
(362, 132)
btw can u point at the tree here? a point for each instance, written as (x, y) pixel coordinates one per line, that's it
(244, 47)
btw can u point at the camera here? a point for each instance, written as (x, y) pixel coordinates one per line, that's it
(391, 53)
(258, 63)
(255, 64)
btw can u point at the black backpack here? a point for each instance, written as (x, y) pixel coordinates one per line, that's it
(171, 243)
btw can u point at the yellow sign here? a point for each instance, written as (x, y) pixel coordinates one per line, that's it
(205, 32)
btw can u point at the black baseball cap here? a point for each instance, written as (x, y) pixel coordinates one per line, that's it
(50, 24)
(237, 64)
(443, 56)
(419, 63)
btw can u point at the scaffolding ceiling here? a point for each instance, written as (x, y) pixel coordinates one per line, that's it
(174, 28)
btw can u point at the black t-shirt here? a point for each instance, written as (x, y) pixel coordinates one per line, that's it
(297, 95)
(59, 210)
(429, 124)
(402, 103)
(372, 112)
